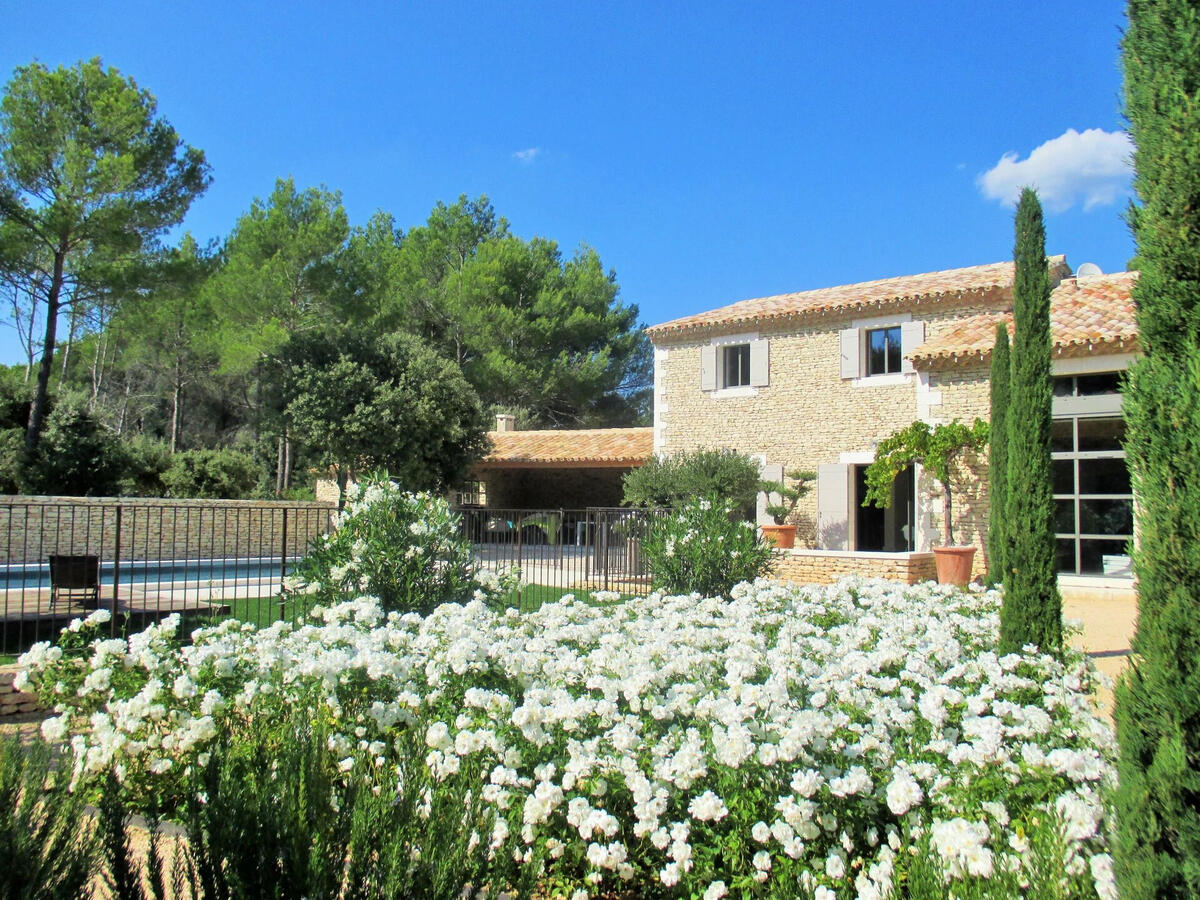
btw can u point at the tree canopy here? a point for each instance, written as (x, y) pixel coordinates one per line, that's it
(90, 175)
(195, 346)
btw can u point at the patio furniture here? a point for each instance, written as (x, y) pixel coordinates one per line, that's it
(74, 577)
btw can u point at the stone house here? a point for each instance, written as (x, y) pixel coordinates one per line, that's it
(815, 379)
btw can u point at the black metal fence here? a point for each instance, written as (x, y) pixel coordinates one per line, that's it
(559, 551)
(206, 560)
(146, 559)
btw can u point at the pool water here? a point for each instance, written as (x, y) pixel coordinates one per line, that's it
(30, 576)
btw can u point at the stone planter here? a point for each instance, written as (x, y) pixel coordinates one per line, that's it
(954, 564)
(782, 536)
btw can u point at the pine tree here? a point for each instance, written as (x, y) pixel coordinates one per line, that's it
(1032, 610)
(1001, 381)
(1158, 700)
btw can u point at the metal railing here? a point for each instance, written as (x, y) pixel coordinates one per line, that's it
(202, 559)
(559, 551)
(207, 560)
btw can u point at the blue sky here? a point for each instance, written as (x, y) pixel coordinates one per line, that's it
(710, 152)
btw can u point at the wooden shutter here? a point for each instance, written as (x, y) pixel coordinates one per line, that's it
(833, 507)
(851, 344)
(772, 472)
(760, 364)
(708, 368)
(912, 335)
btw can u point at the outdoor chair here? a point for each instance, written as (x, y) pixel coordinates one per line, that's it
(74, 577)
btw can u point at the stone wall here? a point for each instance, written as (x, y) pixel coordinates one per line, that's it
(31, 528)
(827, 566)
(963, 389)
(13, 703)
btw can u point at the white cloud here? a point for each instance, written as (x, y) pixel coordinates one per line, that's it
(527, 155)
(1090, 167)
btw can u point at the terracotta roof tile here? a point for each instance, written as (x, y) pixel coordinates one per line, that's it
(584, 447)
(1084, 313)
(851, 297)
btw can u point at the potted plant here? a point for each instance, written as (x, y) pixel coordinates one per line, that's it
(939, 450)
(794, 485)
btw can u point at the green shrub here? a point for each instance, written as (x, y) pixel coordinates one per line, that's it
(45, 842)
(12, 451)
(702, 547)
(215, 474)
(730, 477)
(406, 549)
(146, 459)
(274, 815)
(76, 456)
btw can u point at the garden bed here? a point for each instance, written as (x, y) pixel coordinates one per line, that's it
(859, 739)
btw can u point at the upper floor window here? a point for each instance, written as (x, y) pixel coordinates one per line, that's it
(878, 348)
(883, 350)
(735, 365)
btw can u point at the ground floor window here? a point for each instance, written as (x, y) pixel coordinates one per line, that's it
(1093, 497)
(890, 530)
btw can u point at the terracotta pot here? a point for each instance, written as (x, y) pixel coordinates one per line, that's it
(953, 564)
(782, 536)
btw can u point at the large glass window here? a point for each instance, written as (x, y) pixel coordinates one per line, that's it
(883, 350)
(1092, 493)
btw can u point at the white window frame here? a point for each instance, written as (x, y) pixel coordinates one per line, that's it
(723, 366)
(866, 356)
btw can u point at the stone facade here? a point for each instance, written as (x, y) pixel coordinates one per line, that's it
(32, 528)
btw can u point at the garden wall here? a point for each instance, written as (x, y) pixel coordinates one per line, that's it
(827, 566)
(31, 528)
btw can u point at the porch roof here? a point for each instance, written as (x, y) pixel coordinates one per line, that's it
(578, 449)
(1087, 314)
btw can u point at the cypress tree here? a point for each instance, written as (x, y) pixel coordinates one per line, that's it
(1001, 378)
(1032, 609)
(1157, 846)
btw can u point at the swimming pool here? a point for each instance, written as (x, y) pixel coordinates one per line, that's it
(31, 576)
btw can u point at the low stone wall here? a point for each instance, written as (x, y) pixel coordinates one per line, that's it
(827, 566)
(14, 703)
(31, 528)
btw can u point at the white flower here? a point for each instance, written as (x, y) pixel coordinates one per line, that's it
(903, 793)
(708, 807)
(715, 891)
(54, 729)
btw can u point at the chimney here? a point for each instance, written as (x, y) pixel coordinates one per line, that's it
(506, 422)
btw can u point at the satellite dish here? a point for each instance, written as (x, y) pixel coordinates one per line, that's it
(1087, 270)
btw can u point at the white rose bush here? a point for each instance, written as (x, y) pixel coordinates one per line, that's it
(855, 740)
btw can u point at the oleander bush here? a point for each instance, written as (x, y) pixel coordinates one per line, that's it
(406, 549)
(703, 547)
(862, 739)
